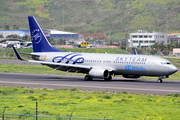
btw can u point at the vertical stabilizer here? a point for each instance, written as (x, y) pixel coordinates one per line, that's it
(39, 41)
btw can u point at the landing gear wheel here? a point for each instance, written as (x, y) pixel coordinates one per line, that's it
(108, 79)
(159, 81)
(87, 78)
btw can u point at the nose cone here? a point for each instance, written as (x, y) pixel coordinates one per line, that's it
(172, 69)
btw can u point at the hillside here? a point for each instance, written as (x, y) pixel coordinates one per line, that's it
(94, 16)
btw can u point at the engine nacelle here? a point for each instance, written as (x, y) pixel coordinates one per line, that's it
(99, 73)
(131, 76)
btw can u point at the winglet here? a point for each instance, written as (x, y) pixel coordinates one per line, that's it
(135, 52)
(17, 54)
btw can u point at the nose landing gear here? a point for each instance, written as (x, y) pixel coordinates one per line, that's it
(161, 77)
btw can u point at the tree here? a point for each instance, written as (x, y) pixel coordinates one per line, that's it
(153, 51)
(139, 51)
(7, 27)
(14, 27)
(165, 52)
(1, 36)
(88, 21)
(26, 37)
(155, 45)
(17, 27)
(162, 46)
(13, 36)
(111, 42)
(4, 25)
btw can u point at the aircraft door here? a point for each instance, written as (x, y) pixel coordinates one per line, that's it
(152, 68)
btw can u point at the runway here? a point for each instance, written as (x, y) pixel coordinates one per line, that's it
(117, 84)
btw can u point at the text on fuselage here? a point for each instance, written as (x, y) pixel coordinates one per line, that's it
(131, 59)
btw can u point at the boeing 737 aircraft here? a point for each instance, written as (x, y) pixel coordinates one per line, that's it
(95, 65)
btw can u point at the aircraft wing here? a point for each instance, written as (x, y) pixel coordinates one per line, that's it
(61, 64)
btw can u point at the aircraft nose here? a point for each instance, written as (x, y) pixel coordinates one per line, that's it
(173, 69)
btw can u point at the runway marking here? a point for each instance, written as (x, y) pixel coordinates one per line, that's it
(100, 87)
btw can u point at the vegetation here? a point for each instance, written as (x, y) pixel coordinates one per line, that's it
(94, 16)
(62, 102)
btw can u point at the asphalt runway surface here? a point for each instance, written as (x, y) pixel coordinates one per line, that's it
(118, 84)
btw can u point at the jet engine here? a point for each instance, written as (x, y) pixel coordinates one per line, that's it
(99, 73)
(131, 76)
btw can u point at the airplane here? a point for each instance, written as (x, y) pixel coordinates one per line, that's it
(94, 65)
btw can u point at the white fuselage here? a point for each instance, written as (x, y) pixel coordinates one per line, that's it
(120, 64)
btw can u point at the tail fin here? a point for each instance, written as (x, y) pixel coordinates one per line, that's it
(135, 52)
(39, 41)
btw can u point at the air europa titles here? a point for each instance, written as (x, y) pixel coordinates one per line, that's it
(130, 59)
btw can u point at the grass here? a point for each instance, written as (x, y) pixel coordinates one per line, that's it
(89, 104)
(35, 69)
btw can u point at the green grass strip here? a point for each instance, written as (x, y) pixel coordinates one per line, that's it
(62, 102)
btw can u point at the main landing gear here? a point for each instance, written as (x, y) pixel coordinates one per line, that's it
(87, 78)
(160, 81)
(109, 78)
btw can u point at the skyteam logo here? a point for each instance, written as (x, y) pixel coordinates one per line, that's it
(36, 36)
(129, 67)
(69, 58)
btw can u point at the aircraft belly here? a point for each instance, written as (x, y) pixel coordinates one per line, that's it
(131, 70)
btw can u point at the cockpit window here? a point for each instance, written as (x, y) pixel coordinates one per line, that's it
(165, 63)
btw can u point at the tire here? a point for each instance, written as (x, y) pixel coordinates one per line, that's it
(87, 78)
(108, 79)
(159, 81)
